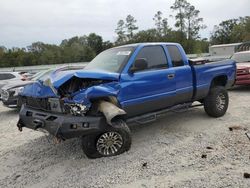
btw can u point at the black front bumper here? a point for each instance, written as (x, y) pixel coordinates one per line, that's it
(60, 125)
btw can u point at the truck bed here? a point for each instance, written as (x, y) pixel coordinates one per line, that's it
(203, 75)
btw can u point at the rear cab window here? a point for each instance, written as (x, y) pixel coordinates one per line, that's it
(155, 57)
(175, 56)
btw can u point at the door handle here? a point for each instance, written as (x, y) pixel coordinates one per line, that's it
(171, 76)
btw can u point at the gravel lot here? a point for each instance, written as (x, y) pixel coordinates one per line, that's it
(185, 149)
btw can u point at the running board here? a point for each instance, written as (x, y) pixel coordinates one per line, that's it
(153, 116)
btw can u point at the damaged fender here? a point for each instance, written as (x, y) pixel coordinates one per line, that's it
(95, 92)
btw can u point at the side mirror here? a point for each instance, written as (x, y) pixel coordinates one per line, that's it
(139, 65)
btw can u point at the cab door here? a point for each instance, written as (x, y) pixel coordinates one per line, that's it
(183, 73)
(151, 89)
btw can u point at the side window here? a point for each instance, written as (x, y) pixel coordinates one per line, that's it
(175, 55)
(155, 56)
(1, 76)
(5, 76)
(9, 76)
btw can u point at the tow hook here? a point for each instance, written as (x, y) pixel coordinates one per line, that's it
(20, 126)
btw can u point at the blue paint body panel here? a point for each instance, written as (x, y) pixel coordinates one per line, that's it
(149, 89)
(38, 90)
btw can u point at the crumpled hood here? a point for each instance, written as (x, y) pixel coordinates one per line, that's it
(59, 78)
(46, 89)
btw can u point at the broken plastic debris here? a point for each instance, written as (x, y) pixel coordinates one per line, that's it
(237, 127)
(204, 156)
(209, 147)
(144, 165)
(246, 175)
(248, 135)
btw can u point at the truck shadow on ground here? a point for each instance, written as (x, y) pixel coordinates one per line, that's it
(240, 89)
(9, 112)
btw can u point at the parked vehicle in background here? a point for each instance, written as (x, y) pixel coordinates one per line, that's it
(132, 83)
(5, 77)
(223, 49)
(9, 93)
(243, 67)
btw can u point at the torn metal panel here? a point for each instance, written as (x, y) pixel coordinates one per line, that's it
(110, 111)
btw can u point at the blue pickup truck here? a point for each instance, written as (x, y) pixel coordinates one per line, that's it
(131, 83)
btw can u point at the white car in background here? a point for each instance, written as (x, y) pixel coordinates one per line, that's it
(7, 77)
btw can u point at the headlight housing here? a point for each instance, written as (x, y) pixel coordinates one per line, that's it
(76, 109)
(5, 95)
(17, 90)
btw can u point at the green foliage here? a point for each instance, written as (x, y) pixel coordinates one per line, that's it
(121, 33)
(194, 22)
(188, 24)
(161, 24)
(150, 35)
(130, 26)
(75, 49)
(230, 31)
(180, 6)
(125, 30)
(84, 48)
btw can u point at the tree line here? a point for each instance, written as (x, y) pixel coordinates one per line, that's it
(186, 31)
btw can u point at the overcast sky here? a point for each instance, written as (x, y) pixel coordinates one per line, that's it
(25, 21)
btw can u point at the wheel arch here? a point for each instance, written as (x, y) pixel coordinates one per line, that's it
(220, 80)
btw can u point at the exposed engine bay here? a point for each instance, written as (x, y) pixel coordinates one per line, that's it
(76, 84)
(72, 86)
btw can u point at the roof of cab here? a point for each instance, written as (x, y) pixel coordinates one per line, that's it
(147, 44)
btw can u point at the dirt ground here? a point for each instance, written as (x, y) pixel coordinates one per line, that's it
(185, 149)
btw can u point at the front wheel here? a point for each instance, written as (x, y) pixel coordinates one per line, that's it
(216, 103)
(116, 139)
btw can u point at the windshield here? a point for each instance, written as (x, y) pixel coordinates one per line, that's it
(241, 57)
(112, 60)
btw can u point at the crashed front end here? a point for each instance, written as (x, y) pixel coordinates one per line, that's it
(64, 106)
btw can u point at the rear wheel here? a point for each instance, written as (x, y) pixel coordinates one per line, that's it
(116, 139)
(216, 103)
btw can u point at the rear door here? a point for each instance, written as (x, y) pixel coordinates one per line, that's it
(183, 74)
(151, 89)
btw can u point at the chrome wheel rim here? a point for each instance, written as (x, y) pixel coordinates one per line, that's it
(109, 143)
(220, 101)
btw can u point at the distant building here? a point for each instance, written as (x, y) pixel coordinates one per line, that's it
(228, 49)
(223, 49)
